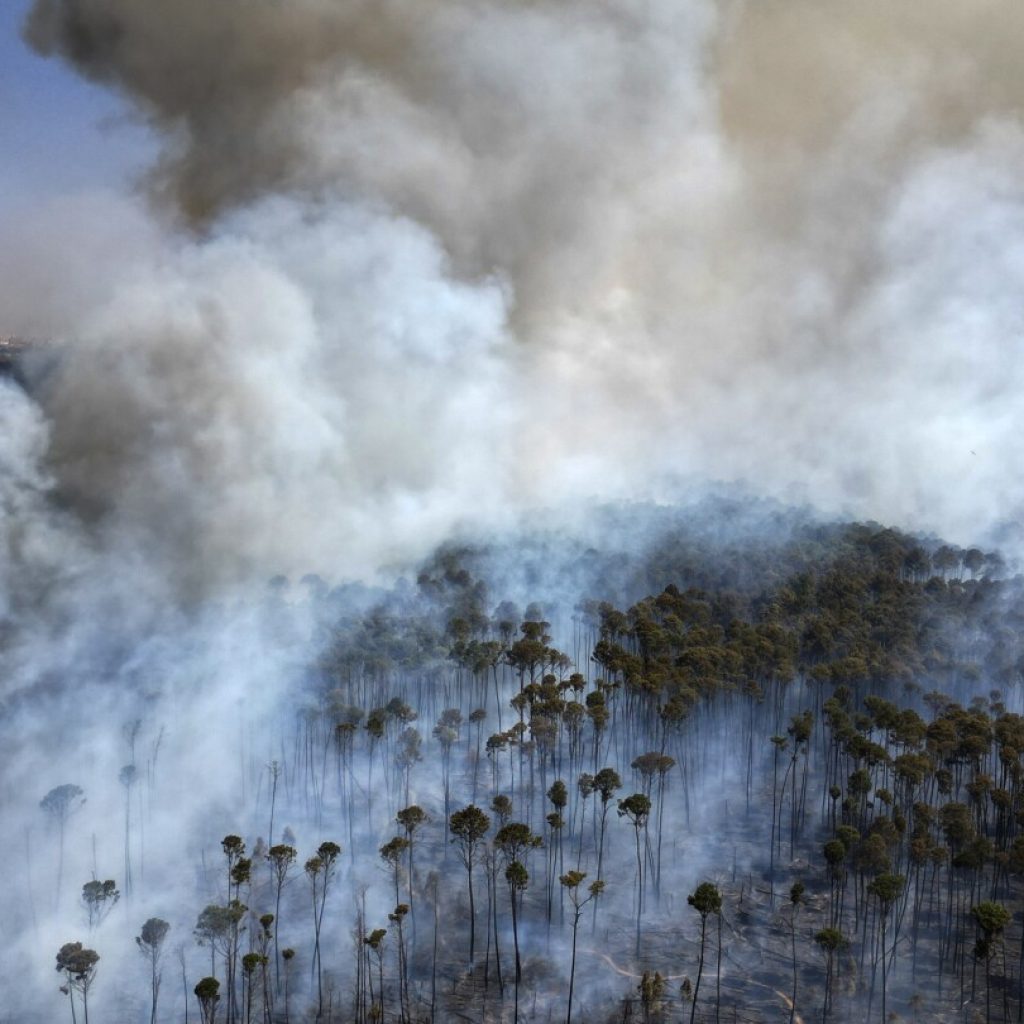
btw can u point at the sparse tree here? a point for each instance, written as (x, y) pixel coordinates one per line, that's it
(396, 917)
(518, 878)
(796, 900)
(887, 889)
(468, 828)
(274, 768)
(652, 991)
(280, 857)
(320, 872)
(571, 883)
(128, 777)
(992, 919)
(392, 854)
(831, 941)
(59, 804)
(78, 965)
(375, 942)
(606, 783)
(515, 840)
(706, 900)
(411, 818)
(252, 964)
(287, 955)
(150, 943)
(637, 809)
(208, 996)
(98, 899)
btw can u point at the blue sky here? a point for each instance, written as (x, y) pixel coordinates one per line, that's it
(58, 133)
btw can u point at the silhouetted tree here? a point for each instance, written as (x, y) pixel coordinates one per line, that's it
(78, 965)
(992, 919)
(127, 777)
(887, 889)
(391, 853)
(636, 809)
(571, 883)
(252, 964)
(831, 941)
(396, 917)
(287, 956)
(468, 828)
(796, 899)
(274, 768)
(375, 942)
(98, 899)
(208, 995)
(517, 878)
(280, 857)
(514, 841)
(59, 804)
(150, 943)
(606, 784)
(706, 900)
(320, 872)
(411, 818)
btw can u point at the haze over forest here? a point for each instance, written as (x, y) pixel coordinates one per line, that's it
(598, 419)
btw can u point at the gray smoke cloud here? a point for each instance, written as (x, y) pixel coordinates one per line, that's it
(451, 258)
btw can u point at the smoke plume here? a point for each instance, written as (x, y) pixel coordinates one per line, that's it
(438, 260)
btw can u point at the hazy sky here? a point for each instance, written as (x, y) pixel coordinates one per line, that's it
(59, 133)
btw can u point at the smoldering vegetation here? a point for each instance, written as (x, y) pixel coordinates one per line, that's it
(789, 758)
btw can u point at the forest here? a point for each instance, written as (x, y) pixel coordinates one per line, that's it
(724, 774)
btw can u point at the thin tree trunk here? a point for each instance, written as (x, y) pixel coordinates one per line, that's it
(700, 970)
(572, 966)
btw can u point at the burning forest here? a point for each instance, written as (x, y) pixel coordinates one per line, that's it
(515, 516)
(770, 789)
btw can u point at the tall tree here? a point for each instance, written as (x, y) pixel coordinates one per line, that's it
(636, 809)
(515, 840)
(208, 996)
(796, 900)
(468, 828)
(78, 965)
(320, 872)
(887, 889)
(98, 899)
(606, 783)
(151, 944)
(375, 942)
(128, 777)
(281, 858)
(571, 883)
(831, 941)
(706, 900)
(392, 855)
(59, 804)
(992, 919)
(411, 818)
(518, 878)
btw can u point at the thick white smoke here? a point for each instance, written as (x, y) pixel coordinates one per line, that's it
(530, 252)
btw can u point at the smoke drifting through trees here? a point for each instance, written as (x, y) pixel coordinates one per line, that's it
(432, 265)
(837, 631)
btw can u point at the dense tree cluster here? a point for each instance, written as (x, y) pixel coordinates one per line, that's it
(825, 721)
